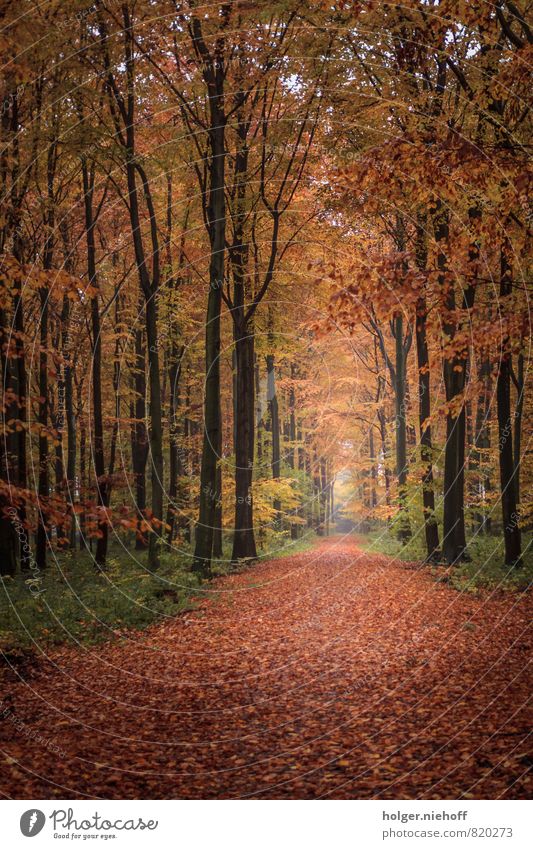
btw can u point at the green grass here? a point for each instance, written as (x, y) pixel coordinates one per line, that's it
(287, 547)
(74, 603)
(486, 569)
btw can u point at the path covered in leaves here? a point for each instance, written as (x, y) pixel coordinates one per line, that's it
(333, 673)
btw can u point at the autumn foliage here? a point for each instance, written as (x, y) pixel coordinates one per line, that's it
(264, 277)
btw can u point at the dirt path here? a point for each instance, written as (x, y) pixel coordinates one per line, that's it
(332, 673)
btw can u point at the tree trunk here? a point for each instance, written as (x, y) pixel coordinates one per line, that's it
(275, 426)
(431, 529)
(317, 498)
(482, 441)
(404, 528)
(155, 435)
(324, 520)
(175, 458)
(217, 529)
(96, 369)
(244, 358)
(511, 519)
(22, 413)
(155, 432)
(454, 374)
(42, 534)
(62, 482)
(384, 450)
(519, 382)
(139, 434)
(291, 453)
(212, 441)
(243, 538)
(44, 294)
(8, 513)
(71, 447)
(83, 487)
(373, 469)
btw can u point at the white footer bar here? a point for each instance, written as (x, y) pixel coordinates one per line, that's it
(268, 824)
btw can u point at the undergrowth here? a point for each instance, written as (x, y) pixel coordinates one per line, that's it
(72, 602)
(486, 569)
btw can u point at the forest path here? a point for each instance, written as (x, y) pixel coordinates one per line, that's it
(332, 673)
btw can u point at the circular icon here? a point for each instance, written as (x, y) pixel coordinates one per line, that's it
(32, 822)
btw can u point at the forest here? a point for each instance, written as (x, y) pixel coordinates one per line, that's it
(266, 423)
